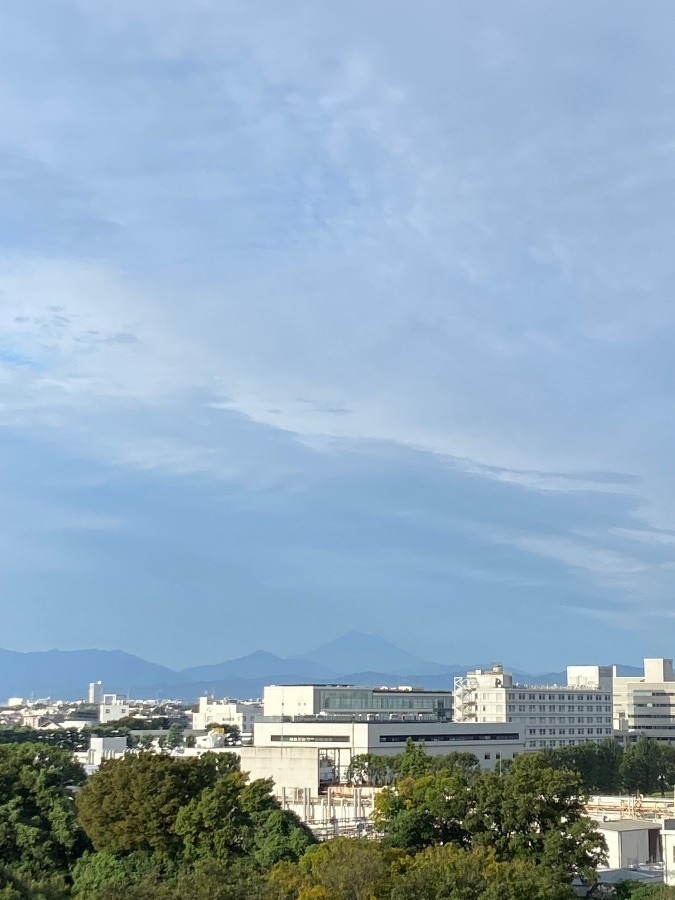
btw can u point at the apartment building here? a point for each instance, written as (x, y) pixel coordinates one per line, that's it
(112, 708)
(240, 713)
(549, 715)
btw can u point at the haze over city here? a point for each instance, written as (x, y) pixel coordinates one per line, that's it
(319, 317)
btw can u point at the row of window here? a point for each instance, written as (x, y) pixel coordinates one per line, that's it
(540, 707)
(561, 720)
(559, 697)
(454, 738)
(311, 738)
(543, 731)
(553, 743)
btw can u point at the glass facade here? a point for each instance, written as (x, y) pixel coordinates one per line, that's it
(364, 700)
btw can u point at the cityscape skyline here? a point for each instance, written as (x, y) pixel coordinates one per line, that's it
(336, 316)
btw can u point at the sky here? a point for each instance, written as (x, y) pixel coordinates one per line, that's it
(322, 316)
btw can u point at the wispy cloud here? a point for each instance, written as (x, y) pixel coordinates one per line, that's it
(259, 248)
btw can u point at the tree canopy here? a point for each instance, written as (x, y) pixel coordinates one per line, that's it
(151, 826)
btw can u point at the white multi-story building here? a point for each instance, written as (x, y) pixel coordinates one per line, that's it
(336, 739)
(646, 704)
(112, 708)
(95, 693)
(350, 700)
(549, 715)
(240, 713)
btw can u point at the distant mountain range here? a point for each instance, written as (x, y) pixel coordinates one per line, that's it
(353, 658)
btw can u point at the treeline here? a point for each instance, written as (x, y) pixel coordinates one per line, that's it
(76, 739)
(645, 766)
(156, 827)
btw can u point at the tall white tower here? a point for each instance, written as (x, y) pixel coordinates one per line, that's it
(95, 692)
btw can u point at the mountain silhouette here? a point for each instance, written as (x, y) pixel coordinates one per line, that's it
(353, 658)
(358, 651)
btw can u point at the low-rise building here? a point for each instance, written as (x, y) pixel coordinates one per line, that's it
(631, 842)
(112, 708)
(100, 749)
(242, 714)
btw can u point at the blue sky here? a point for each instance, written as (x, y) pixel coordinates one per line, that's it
(322, 316)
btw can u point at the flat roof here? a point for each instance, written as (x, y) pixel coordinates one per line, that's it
(628, 825)
(401, 688)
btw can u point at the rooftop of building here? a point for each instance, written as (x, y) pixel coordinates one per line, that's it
(628, 825)
(401, 688)
(367, 718)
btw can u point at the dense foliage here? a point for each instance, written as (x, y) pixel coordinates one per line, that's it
(645, 766)
(153, 826)
(534, 812)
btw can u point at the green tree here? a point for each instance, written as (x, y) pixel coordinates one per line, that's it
(39, 833)
(235, 818)
(413, 762)
(345, 869)
(630, 890)
(533, 812)
(536, 812)
(132, 803)
(643, 762)
(455, 762)
(105, 874)
(418, 812)
(231, 733)
(15, 886)
(371, 769)
(174, 737)
(449, 873)
(599, 765)
(666, 776)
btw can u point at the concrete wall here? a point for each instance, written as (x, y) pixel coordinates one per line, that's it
(489, 743)
(111, 712)
(626, 848)
(290, 767)
(289, 700)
